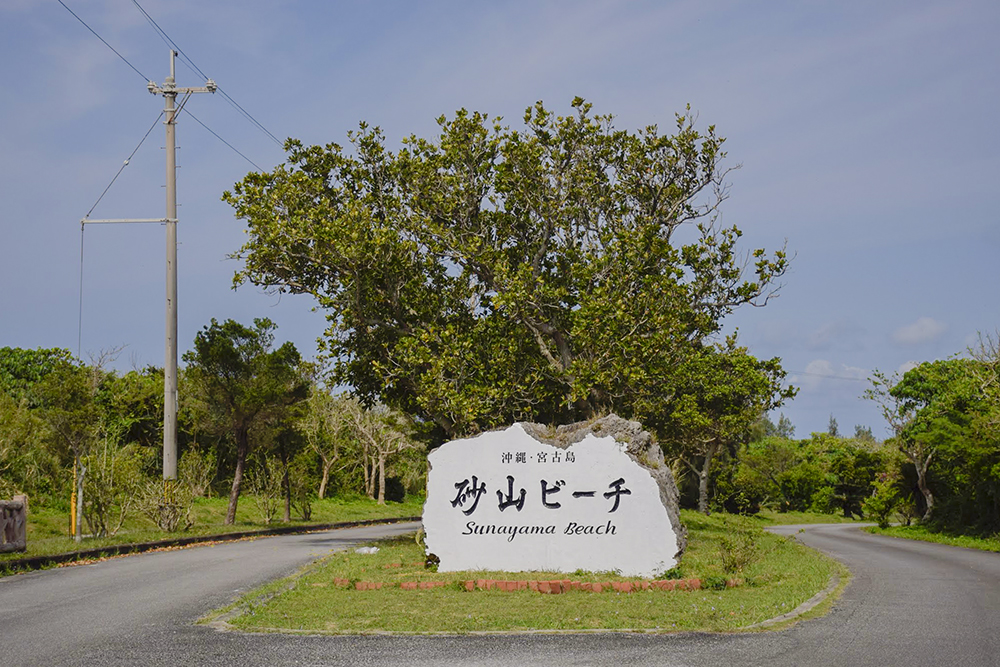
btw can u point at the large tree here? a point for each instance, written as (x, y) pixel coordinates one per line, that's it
(242, 381)
(492, 274)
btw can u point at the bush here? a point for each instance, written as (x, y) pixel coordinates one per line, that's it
(197, 470)
(395, 492)
(264, 481)
(112, 485)
(740, 545)
(881, 505)
(824, 500)
(167, 504)
(739, 490)
(798, 485)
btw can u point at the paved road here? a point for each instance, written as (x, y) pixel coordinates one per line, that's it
(909, 603)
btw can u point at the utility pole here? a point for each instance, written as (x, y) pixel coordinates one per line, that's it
(169, 90)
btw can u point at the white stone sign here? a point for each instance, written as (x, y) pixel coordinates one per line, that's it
(508, 502)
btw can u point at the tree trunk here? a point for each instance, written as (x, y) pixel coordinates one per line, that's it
(369, 476)
(286, 485)
(242, 446)
(81, 471)
(327, 465)
(381, 479)
(703, 478)
(926, 492)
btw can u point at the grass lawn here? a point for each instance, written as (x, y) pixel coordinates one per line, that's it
(48, 528)
(773, 518)
(926, 535)
(785, 575)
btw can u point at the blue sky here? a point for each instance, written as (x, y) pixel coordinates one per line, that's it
(866, 132)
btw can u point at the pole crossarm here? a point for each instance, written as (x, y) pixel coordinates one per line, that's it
(124, 221)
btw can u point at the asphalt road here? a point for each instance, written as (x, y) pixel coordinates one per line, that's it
(909, 603)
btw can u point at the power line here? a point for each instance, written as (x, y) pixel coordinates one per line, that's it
(191, 64)
(249, 117)
(829, 377)
(213, 133)
(168, 41)
(163, 35)
(125, 60)
(172, 44)
(125, 164)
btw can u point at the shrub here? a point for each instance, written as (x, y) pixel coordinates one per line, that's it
(824, 500)
(196, 469)
(395, 492)
(167, 504)
(881, 505)
(112, 485)
(264, 481)
(740, 545)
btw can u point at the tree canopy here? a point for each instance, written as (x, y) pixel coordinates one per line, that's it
(493, 274)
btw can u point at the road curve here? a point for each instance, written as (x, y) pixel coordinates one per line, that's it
(909, 603)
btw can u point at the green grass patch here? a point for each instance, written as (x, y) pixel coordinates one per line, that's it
(784, 575)
(773, 518)
(48, 527)
(926, 535)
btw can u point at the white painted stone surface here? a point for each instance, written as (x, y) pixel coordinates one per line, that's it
(470, 480)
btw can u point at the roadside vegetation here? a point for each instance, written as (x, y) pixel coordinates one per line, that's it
(774, 575)
(926, 534)
(48, 530)
(84, 443)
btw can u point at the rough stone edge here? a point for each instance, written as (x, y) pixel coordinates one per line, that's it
(641, 447)
(803, 608)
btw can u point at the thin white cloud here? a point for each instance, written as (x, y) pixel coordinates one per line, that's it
(821, 374)
(907, 365)
(924, 330)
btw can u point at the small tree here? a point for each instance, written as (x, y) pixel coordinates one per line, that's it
(242, 380)
(113, 484)
(725, 392)
(301, 484)
(265, 479)
(882, 503)
(327, 426)
(383, 434)
(67, 396)
(168, 506)
(923, 408)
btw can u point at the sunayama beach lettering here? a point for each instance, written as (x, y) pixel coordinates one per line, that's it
(472, 528)
(573, 528)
